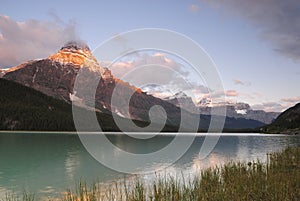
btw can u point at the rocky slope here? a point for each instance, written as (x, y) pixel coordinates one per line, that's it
(180, 99)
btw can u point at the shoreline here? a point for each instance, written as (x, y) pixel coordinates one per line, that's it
(145, 133)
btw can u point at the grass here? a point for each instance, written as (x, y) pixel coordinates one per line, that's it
(277, 179)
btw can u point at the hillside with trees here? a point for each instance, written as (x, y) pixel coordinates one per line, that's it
(287, 122)
(23, 108)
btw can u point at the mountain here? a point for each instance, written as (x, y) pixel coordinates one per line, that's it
(23, 108)
(238, 110)
(287, 122)
(55, 77)
(180, 99)
(243, 110)
(234, 110)
(2, 72)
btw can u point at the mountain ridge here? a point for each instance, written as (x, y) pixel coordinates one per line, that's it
(235, 110)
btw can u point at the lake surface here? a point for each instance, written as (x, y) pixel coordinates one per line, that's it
(49, 163)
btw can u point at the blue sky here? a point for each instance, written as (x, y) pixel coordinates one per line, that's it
(255, 44)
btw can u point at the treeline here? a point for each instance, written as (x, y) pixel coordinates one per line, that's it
(23, 108)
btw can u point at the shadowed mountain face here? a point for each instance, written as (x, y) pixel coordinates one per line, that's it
(23, 108)
(74, 63)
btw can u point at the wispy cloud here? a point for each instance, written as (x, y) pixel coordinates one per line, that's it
(195, 91)
(31, 39)
(240, 82)
(231, 93)
(221, 96)
(292, 99)
(227, 93)
(159, 91)
(278, 106)
(277, 20)
(269, 107)
(194, 8)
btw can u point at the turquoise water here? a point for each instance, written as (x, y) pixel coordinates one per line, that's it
(49, 163)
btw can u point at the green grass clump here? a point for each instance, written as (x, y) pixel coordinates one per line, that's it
(277, 179)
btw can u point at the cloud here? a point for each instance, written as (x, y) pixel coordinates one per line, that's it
(291, 100)
(159, 91)
(199, 90)
(135, 68)
(269, 107)
(195, 91)
(231, 93)
(161, 75)
(277, 20)
(240, 82)
(194, 8)
(219, 94)
(31, 39)
(251, 96)
(278, 106)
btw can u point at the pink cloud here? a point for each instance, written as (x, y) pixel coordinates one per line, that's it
(221, 94)
(194, 8)
(231, 93)
(291, 100)
(31, 39)
(240, 82)
(269, 107)
(237, 81)
(131, 62)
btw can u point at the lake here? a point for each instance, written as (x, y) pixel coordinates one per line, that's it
(49, 163)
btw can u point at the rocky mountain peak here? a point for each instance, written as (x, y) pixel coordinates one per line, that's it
(204, 102)
(181, 99)
(78, 54)
(76, 45)
(181, 94)
(178, 95)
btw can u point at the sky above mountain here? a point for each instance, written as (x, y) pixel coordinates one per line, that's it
(254, 44)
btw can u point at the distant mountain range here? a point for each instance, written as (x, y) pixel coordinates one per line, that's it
(55, 77)
(234, 110)
(287, 122)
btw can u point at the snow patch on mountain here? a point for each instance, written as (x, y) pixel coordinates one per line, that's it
(241, 111)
